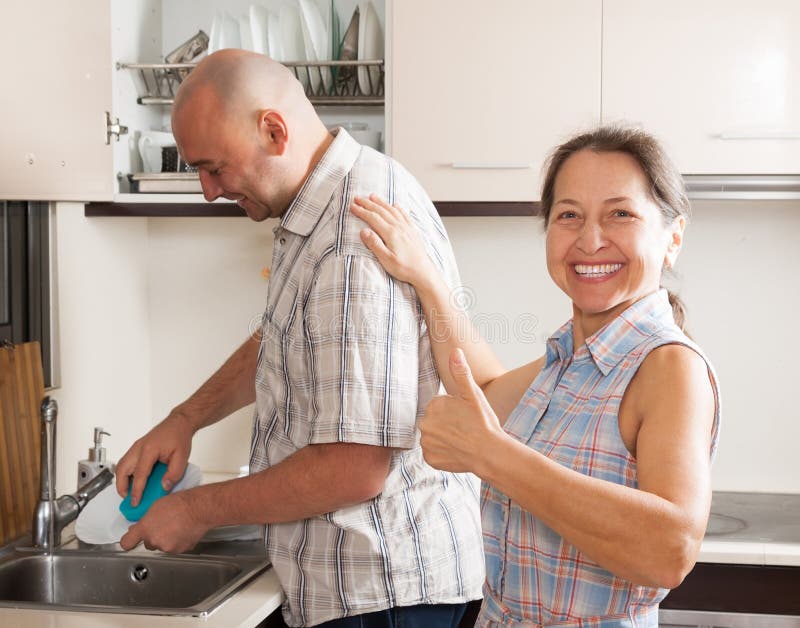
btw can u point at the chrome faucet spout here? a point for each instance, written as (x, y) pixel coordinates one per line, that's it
(52, 515)
(43, 530)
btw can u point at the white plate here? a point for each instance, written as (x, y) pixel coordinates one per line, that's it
(259, 18)
(101, 522)
(213, 38)
(229, 36)
(317, 43)
(274, 37)
(370, 46)
(292, 48)
(245, 33)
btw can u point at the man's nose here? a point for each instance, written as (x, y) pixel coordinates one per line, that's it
(592, 238)
(211, 189)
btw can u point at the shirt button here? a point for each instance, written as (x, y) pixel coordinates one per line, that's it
(282, 241)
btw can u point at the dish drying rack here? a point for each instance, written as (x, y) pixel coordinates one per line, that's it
(349, 83)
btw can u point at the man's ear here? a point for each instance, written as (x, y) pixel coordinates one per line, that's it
(272, 131)
(676, 241)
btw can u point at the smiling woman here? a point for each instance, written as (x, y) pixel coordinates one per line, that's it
(595, 458)
(649, 204)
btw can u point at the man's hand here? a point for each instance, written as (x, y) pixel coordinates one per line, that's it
(456, 428)
(170, 525)
(169, 442)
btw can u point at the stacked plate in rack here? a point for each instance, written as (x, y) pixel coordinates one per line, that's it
(304, 31)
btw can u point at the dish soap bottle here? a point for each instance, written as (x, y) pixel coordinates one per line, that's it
(89, 469)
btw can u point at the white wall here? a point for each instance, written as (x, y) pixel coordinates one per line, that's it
(206, 293)
(738, 270)
(149, 307)
(102, 295)
(147, 310)
(737, 276)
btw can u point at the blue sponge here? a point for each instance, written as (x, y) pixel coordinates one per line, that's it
(152, 492)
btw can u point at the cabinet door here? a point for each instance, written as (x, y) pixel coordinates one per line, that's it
(481, 91)
(717, 80)
(55, 60)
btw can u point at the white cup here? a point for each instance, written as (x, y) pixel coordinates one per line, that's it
(361, 133)
(368, 138)
(150, 145)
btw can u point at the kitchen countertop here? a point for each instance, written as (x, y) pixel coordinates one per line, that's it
(744, 528)
(753, 529)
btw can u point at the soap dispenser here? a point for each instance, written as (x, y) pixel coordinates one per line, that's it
(89, 469)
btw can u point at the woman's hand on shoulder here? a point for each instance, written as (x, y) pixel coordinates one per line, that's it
(394, 240)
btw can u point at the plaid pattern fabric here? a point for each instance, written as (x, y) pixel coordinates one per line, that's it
(570, 414)
(346, 357)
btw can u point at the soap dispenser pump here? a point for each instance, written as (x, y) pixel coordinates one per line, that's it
(89, 469)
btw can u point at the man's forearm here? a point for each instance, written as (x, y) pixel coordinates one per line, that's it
(315, 480)
(230, 388)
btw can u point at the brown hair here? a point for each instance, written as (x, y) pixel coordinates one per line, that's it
(666, 184)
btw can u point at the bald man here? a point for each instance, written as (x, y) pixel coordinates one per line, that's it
(360, 530)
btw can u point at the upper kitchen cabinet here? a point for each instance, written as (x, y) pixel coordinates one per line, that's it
(56, 68)
(481, 91)
(87, 94)
(716, 80)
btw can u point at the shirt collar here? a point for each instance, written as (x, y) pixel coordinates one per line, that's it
(308, 206)
(608, 345)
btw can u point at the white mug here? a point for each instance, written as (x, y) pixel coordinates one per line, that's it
(150, 144)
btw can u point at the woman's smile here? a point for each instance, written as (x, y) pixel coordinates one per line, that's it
(596, 272)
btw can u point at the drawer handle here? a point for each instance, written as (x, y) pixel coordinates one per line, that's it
(461, 165)
(763, 135)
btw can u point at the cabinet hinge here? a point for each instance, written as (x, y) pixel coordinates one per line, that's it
(114, 129)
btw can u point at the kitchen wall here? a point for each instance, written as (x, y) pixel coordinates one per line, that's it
(148, 308)
(736, 274)
(102, 334)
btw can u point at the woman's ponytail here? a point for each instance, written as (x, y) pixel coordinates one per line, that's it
(678, 311)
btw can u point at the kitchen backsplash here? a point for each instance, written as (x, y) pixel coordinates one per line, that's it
(148, 308)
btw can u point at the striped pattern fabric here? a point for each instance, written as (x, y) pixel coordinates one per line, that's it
(570, 414)
(346, 357)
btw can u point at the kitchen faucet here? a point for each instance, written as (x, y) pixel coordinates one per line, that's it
(52, 515)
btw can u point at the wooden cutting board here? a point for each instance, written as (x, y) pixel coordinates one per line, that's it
(21, 392)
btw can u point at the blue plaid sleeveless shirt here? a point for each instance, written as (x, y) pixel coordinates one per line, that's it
(570, 414)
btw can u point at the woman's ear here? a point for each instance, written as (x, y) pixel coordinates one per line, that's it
(272, 131)
(675, 242)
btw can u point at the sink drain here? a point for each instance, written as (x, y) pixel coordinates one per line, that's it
(140, 573)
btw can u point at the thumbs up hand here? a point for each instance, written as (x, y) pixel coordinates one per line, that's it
(456, 429)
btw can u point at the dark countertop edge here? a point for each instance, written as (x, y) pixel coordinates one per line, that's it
(737, 588)
(163, 210)
(226, 210)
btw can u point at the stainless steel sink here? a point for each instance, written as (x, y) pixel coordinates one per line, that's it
(141, 583)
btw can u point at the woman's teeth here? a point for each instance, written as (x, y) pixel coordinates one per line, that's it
(596, 270)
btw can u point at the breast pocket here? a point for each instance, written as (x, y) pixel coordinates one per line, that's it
(284, 375)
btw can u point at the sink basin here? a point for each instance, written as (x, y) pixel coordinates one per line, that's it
(145, 583)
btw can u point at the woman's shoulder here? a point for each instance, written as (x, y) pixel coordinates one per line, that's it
(673, 360)
(677, 375)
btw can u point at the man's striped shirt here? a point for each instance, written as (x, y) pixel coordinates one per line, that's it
(346, 357)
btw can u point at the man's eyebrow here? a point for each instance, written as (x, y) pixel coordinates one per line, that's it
(200, 163)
